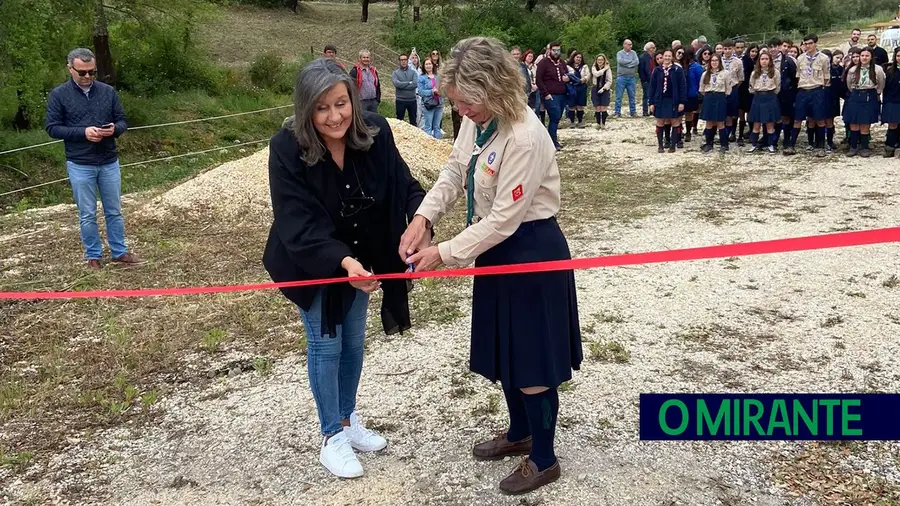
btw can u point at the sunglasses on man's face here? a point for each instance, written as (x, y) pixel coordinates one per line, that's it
(82, 73)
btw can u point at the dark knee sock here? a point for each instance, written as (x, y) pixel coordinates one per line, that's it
(795, 133)
(820, 137)
(854, 139)
(723, 137)
(580, 115)
(543, 116)
(777, 132)
(676, 135)
(667, 130)
(598, 117)
(893, 135)
(571, 115)
(659, 135)
(709, 134)
(864, 140)
(829, 135)
(518, 417)
(811, 135)
(754, 139)
(741, 127)
(542, 409)
(605, 116)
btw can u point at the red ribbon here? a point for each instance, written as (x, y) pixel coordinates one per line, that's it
(826, 241)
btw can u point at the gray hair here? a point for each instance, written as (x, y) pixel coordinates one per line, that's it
(80, 53)
(312, 82)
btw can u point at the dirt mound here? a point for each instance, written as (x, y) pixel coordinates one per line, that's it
(242, 186)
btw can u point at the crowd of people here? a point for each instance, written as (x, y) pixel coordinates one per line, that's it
(758, 94)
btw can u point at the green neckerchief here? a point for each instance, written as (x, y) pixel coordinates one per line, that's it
(480, 141)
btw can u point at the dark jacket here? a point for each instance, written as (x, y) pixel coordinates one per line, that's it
(693, 75)
(69, 112)
(677, 81)
(304, 240)
(527, 76)
(646, 64)
(788, 75)
(891, 94)
(549, 76)
(880, 55)
(356, 75)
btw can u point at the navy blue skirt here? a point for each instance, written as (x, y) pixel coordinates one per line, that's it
(890, 113)
(714, 107)
(764, 108)
(863, 108)
(666, 108)
(525, 329)
(599, 99)
(580, 98)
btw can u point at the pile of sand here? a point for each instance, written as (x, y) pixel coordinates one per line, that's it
(242, 186)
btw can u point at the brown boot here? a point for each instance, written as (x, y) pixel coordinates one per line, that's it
(128, 258)
(94, 265)
(500, 447)
(526, 477)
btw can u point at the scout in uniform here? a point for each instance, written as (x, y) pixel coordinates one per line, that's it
(890, 109)
(765, 81)
(733, 65)
(865, 82)
(715, 85)
(525, 329)
(813, 76)
(668, 94)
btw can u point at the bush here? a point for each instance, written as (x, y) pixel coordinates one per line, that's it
(592, 35)
(662, 21)
(153, 61)
(265, 70)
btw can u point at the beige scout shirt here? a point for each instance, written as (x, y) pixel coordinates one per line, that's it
(813, 71)
(865, 82)
(762, 82)
(720, 82)
(516, 180)
(735, 66)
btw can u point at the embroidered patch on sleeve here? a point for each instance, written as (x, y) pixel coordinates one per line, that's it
(517, 193)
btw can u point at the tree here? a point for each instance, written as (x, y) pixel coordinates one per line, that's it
(365, 11)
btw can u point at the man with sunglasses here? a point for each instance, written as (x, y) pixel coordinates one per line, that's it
(87, 115)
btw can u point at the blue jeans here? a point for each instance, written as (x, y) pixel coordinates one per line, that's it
(86, 180)
(554, 108)
(645, 97)
(624, 83)
(335, 363)
(432, 121)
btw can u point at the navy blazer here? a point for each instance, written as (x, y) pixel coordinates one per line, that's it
(891, 93)
(677, 81)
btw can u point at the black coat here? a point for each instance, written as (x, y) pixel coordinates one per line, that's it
(304, 240)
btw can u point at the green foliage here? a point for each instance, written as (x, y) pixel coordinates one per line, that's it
(265, 69)
(662, 21)
(592, 35)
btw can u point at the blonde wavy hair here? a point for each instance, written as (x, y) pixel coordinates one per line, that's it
(481, 69)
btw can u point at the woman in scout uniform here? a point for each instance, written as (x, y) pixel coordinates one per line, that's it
(865, 82)
(715, 85)
(733, 65)
(601, 83)
(890, 109)
(579, 77)
(667, 97)
(525, 330)
(765, 81)
(745, 98)
(813, 77)
(850, 61)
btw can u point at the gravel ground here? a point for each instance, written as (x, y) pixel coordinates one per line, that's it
(821, 321)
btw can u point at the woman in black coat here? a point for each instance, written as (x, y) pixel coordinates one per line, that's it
(342, 197)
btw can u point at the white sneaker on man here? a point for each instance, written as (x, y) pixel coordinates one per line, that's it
(362, 438)
(337, 456)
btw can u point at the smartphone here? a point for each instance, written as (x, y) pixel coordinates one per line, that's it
(108, 125)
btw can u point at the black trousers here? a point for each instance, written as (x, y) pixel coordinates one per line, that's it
(404, 106)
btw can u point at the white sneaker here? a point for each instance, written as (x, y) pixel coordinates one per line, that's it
(362, 438)
(337, 456)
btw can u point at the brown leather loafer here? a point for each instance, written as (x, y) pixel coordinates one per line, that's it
(128, 258)
(500, 447)
(94, 265)
(526, 477)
